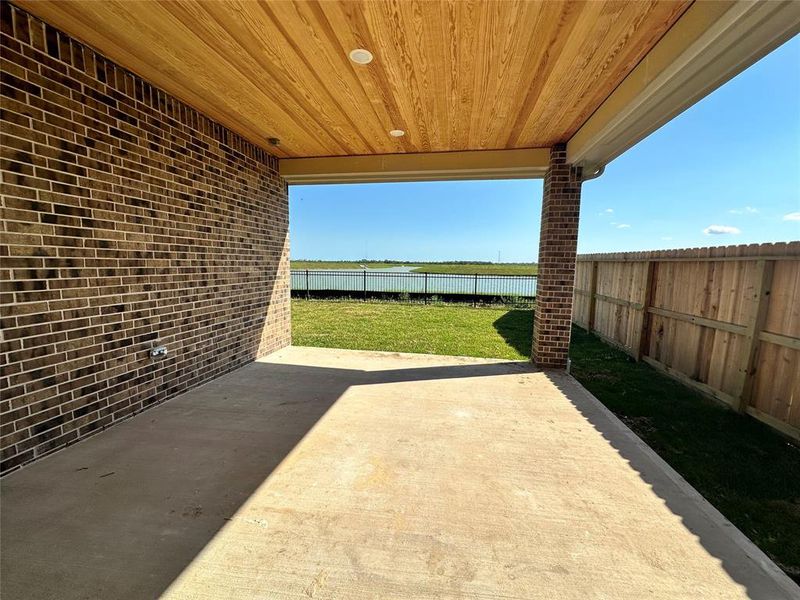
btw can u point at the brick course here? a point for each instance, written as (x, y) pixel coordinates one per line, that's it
(558, 246)
(129, 220)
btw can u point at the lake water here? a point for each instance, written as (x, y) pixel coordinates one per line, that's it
(402, 279)
(398, 269)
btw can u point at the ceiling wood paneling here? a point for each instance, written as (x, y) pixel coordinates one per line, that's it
(455, 75)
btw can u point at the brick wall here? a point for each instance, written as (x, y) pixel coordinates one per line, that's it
(129, 219)
(558, 246)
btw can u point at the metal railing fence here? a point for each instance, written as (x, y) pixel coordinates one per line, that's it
(417, 286)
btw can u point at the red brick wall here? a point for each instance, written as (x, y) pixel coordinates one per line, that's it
(129, 219)
(558, 246)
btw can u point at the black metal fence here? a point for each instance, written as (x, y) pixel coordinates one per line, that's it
(420, 287)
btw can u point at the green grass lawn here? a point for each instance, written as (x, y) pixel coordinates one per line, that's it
(433, 329)
(460, 268)
(746, 470)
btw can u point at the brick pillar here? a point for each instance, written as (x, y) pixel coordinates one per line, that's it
(558, 246)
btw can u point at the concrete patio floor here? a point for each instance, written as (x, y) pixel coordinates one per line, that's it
(318, 473)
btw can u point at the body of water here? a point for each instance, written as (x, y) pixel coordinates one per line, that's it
(398, 269)
(403, 280)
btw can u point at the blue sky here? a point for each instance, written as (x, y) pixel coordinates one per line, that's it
(726, 171)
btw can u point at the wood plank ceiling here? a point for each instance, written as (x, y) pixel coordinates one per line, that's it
(453, 74)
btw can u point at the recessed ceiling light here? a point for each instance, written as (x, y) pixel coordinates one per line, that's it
(361, 56)
(397, 133)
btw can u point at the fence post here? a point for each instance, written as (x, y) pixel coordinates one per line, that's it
(475, 292)
(592, 297)
(643, 343)
(365, 284)
(425, 294)
(308, 288)
(755, 325)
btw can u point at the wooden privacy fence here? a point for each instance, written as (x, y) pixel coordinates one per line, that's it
(725, 321)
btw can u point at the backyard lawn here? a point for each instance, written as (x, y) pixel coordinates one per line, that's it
(396, 327)
(747, 471)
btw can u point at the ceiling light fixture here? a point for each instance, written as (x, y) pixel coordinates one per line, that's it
(397, 133)
(361, 56)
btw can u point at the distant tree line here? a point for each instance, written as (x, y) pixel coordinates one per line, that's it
(387, 261)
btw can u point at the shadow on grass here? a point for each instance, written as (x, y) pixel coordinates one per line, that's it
(516, 328)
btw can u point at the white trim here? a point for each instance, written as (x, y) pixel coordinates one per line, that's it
(743, 34)
(528, 163)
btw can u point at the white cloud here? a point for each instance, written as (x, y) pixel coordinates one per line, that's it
(609, 210)
(795, 216)
(666, 238)
(623, 226)
(747, 210)
(606, 212)
(721, 230)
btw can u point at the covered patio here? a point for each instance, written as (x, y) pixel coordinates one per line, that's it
(320, 473)
(147, 151)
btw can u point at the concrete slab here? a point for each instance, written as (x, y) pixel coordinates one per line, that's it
(320, 473)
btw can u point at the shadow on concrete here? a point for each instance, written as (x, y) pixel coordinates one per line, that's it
(742, 560)
(516, 328)
(123, 513)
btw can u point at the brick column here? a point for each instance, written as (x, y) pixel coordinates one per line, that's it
(558, 245)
